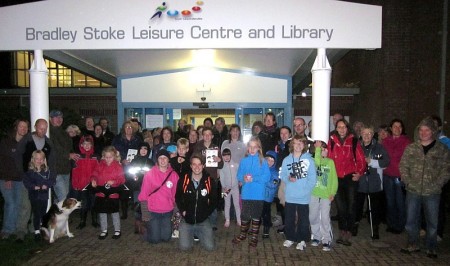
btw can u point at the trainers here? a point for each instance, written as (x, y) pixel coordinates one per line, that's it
(410, 249)
(280, 231)
(326, 247)
(315, 243)
(176, 234)
(227, 224)
(288, 243)
(196, 238)
(301, 245)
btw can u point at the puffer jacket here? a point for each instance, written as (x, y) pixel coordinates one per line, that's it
(425, 174)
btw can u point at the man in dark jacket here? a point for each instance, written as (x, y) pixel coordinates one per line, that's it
(196, 201)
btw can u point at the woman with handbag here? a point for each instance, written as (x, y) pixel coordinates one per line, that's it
(158, 193)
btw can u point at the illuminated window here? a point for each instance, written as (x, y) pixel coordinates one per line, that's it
(59, 76)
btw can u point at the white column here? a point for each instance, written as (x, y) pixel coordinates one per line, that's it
(321, 79)
(39, 94)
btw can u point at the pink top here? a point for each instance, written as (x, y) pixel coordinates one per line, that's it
(395, 148)
(163, 200)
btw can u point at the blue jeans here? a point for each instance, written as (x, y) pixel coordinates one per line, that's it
(12, 198)
(430, 205)
(395, 202)
(213, 218)
(202, 230)
(62, 187)
(300, 231)
(159, 228)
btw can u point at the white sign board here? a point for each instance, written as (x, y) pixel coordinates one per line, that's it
(180, 24)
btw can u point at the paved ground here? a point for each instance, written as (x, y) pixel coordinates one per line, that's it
(85, 249)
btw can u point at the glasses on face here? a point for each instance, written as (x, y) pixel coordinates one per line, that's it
(128, 127)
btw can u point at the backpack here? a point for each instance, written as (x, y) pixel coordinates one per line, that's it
(354, 143)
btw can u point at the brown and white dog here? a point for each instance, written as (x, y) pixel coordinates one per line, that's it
(55, 222)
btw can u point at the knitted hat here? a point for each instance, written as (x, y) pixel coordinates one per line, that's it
(163, 152)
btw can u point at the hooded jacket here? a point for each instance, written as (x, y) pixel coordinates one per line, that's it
(198, 203)
(274, 181)
(327, 182)
(163, 200)
(81, 173)
(299, 192)
(138, 167)
(425, 174)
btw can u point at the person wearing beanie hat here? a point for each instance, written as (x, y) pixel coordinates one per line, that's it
(270, 192)
(135, 172)
(425, 168)
(55, 113)
(158, 194)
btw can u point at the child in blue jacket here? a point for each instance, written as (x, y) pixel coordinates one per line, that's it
(271, 190)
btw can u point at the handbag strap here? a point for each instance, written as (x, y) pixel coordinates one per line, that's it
(154, 191)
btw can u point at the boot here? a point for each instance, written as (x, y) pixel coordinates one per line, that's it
(137, 226)
(124, 207)
(243, 234)
(266, 232)
(376, 234)
(354, 229)
(82, 224)
(254, 231)
(94, 219)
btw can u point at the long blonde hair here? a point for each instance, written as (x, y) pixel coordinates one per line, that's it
(258, 143)
(32, 165)
(112, 150)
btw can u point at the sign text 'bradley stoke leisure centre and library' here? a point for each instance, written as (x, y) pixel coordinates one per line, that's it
(186, 24)
(194, 32)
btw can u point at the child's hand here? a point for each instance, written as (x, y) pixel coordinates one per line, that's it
(317, 144)
(94, 183)
(331, 198)
(37, 187)
(217, 159)
(110, 182)
(44, 187)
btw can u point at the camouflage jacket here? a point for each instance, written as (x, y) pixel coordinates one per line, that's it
(425, 174)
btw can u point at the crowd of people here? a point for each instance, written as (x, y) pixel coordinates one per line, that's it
(178, 181)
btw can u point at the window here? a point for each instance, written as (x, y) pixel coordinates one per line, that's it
(59, 76)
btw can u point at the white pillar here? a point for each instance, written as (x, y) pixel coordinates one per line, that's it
(38, 88)
(321, 79)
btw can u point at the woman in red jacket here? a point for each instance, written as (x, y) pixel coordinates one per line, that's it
(348, 156)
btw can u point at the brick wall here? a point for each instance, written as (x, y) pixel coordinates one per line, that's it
(402, 78)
